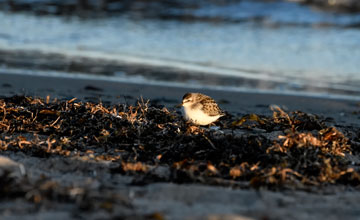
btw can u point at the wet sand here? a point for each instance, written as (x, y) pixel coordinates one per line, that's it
(112, 196)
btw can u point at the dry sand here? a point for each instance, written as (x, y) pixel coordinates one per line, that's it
(166, 200)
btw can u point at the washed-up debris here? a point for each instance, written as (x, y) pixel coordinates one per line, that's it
(286, 150)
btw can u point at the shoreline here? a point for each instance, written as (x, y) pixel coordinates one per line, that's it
(129, 68)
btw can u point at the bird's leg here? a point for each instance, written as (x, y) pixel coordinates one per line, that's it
(211, 124)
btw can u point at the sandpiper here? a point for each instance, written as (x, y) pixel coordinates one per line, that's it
(200, 109)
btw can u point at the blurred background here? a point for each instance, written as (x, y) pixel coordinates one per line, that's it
(309, 47)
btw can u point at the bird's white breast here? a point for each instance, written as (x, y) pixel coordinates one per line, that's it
(197, 116)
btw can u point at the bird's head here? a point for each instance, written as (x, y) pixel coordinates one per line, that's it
(188, 99)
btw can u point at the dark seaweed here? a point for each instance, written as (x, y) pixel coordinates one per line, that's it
(288, 150)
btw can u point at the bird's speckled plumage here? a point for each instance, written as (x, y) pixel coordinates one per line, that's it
(201, 109)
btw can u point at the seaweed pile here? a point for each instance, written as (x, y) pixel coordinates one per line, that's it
(286, 150)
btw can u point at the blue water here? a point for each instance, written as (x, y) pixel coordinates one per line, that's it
(280, 42)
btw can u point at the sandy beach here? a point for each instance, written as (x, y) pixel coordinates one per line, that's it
(89, 127)
(112, 195)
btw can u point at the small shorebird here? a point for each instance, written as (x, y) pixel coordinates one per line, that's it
(200, 109)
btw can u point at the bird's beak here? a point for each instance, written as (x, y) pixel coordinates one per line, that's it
(178, 105)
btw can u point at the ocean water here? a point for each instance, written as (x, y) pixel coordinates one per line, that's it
(272, 47)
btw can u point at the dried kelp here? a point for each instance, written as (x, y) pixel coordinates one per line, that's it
(295, 150)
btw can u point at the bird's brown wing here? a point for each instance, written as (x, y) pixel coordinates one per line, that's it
(210, 107)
